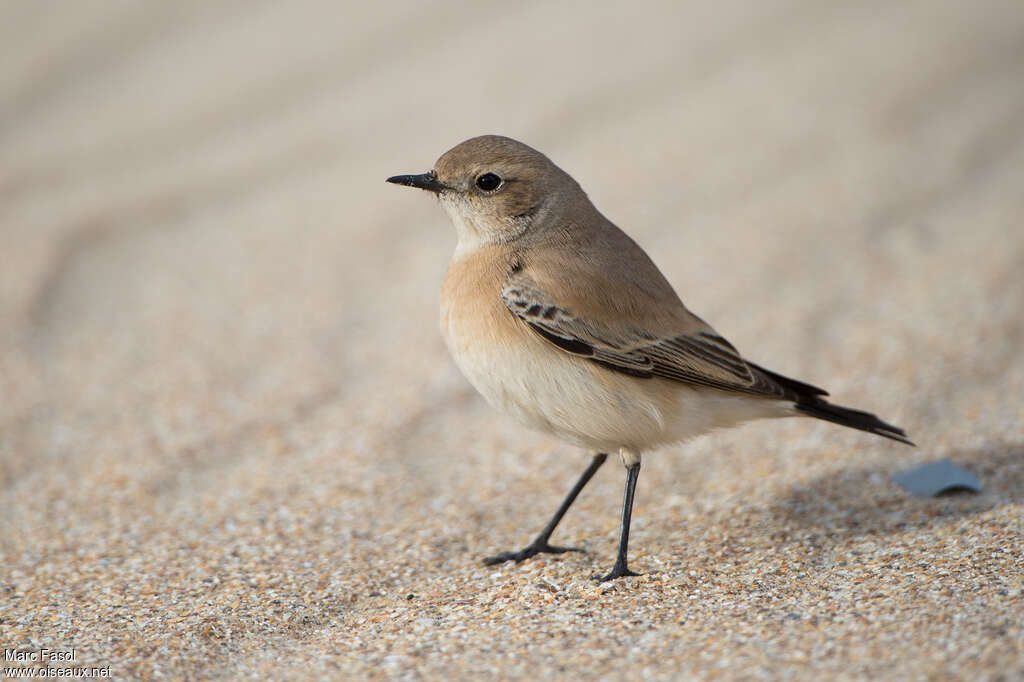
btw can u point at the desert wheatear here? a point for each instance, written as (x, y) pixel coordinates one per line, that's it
(560, 320)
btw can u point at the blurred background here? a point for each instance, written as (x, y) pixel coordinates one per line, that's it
(218, 325)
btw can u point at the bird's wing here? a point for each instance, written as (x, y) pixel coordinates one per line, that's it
(675, 345)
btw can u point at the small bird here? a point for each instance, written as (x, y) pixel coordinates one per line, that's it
(562, 321)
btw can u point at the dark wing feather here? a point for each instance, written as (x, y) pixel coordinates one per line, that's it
(701, 359)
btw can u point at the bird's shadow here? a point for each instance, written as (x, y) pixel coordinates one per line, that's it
(865, 503)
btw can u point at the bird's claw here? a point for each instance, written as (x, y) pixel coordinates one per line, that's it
(618, 572)
(526, 553)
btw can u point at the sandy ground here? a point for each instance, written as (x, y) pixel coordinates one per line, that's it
(232, 443)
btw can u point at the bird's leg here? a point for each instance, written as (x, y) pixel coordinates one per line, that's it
(540, 544)
(620, 570)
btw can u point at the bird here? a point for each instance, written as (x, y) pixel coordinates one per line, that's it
(563, 322)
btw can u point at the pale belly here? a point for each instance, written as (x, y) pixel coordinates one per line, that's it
(545, 388)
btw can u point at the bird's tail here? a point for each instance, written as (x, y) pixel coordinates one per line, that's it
(855, 419)
(810, 400)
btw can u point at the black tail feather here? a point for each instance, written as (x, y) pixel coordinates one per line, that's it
(865, 421)
(797, 387)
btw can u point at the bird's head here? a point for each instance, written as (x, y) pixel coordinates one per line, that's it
(498, 190)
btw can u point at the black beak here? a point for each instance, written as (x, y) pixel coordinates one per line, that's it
(427, 181)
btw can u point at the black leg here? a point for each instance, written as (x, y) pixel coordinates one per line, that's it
(540, 544)
(620, 569)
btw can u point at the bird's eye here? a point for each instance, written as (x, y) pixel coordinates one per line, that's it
(488, 182)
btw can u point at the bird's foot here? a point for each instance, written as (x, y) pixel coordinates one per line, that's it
(536, 547)
(619, 571)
